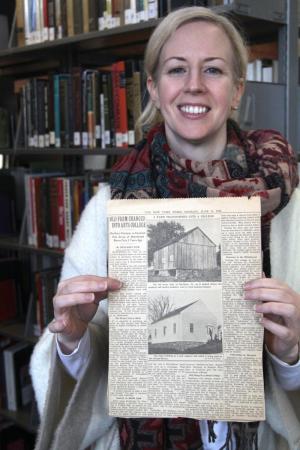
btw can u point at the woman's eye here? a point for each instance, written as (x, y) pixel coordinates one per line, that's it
(176, 70)
(213, 71)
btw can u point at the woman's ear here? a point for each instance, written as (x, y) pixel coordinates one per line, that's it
(239, 91)
(153, 92)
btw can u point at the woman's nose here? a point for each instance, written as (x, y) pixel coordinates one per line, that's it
(195, 82)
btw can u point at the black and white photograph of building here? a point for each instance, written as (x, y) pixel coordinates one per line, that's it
(192, 325)
(186, 250)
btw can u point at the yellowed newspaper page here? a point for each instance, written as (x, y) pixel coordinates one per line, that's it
(183, 341)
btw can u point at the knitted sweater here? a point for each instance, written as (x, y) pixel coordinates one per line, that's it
(74, 414)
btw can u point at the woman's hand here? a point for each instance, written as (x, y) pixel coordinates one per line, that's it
(281, 316)
(75, 304)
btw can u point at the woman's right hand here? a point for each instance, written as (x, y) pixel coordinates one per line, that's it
(75, 304)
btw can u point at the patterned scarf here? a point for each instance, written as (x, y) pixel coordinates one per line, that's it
(257, 162)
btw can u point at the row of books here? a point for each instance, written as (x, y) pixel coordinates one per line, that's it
(53, 207)
(42, 20)
(265, 70)
(86, 108)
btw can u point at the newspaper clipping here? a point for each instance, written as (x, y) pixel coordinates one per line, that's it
(183, 341)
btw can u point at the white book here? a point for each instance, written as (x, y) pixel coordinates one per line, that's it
(152, 9)
(258, 70)
(10, 369)
(267, 74)
(250, 71)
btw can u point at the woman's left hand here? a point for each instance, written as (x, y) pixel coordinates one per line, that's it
(280, 310)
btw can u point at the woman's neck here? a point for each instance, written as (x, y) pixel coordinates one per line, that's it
(207, 150)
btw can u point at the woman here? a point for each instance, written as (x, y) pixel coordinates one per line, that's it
(196, 65)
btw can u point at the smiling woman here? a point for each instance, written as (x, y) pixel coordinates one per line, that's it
(195, 90)
(195, 65)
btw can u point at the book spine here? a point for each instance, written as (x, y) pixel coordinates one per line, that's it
(93, 15)
(57, 112)
(46, 112)
(10, 381)
(53, 240)
(20, 23)
(137, 102)
(67, 211)
(120, 107)
(58, 20)
(33, 213)
(34, 111)
(152, 9)
(129, 68)
(64, 19)
(40, 105)
(45, 21)
(51, 19)
(70, 17)
(129, 11)
(90, 112)
(78, 16)
(28, 208)
(85, 15)
(106, 124)
(77, 102)
(61, 213)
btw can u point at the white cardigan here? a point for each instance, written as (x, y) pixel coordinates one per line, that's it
(74, 415)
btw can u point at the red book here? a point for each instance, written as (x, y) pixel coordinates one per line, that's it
(53, 237)
(61, 212)
(119, 103)
(8, 303)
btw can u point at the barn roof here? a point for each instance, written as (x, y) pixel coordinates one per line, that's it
(181, 236)
(175, 312)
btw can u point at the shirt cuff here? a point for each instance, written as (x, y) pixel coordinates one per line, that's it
(76, 362)
(287, 375)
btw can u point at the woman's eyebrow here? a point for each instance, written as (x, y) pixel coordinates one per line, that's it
(182, 58)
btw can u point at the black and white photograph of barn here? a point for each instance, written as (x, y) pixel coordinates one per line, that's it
(185, 322)
(186, 250)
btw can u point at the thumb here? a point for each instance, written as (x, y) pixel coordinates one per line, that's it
(56, 326)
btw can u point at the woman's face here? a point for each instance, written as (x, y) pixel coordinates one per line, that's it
(195, 89)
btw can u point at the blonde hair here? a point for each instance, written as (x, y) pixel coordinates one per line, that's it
(164, 31)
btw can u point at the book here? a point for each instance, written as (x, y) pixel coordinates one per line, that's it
(129, 70)
(51, 19)
(119, 104)
(8, 224)
(9, 288)
(20, 23)
(4, 343)
(85, 16)
(4, 128)
(45, 288)
(17, 378)
(93, 14)
(70, 17)
(78, 16)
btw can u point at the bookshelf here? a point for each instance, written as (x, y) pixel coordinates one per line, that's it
(270, 25)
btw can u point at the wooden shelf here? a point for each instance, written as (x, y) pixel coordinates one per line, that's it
(13, 244)
(112, 151)
(22, 417)
(16, 330)
(131, 36)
